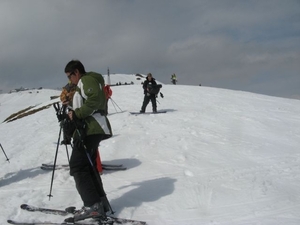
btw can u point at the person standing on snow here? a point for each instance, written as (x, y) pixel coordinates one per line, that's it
(148, 86)
(92, 126)
(173, 78)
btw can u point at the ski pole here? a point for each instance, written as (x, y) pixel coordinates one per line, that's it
(7, 159)
(57, 145)
(114, 106)
(114, 103)
(68, 153)
(61, 124)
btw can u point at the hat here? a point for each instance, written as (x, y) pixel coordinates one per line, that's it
(149, 75)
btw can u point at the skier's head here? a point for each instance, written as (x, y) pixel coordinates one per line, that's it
(75, 65)
(149, 76)
(74, 70)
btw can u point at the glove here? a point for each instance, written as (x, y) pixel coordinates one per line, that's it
(161, 95)
(80, 133)
(78, 139)
(60, 111)
(78, 144)
(68, 127)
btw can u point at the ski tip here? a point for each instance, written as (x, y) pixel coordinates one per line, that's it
(23, 206)
(71, 209)
(70, 220)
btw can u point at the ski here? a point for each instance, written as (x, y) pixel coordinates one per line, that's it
(114, 168)
(70, 211)
(58, 167)
(113, 221)
(104, 168)
(51, 168)
(147, 113)
(31, 208)
(47, 223)
(66, 165)
(52, 165)
(112, 165)
(117, 220)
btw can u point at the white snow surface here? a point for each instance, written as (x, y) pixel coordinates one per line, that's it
(216, 157)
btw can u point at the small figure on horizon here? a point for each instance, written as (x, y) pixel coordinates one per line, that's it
(173, 78)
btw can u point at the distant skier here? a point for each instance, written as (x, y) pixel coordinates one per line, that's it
(151, 89)
(173, 78)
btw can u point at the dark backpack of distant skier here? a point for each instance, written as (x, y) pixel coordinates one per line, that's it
(154, 89)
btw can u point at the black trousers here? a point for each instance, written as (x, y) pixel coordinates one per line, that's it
(147, 99)
(87, 179)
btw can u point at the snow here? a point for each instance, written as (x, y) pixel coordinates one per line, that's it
(216, 157)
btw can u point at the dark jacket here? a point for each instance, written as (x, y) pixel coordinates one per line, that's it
(149, 84)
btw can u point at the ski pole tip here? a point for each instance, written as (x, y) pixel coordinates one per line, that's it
(50, 196)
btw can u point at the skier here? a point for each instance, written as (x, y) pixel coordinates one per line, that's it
(173, 78)
(148, 86)
(92, 126)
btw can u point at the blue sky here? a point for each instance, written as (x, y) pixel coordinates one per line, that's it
(242, 45)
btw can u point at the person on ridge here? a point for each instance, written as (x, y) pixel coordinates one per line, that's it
(92, 126)
(173, 78)
(148, 86)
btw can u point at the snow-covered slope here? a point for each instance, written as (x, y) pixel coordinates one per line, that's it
(216, 157)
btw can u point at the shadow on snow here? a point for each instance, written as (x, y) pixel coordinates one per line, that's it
(20, 175)
(145, 191)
